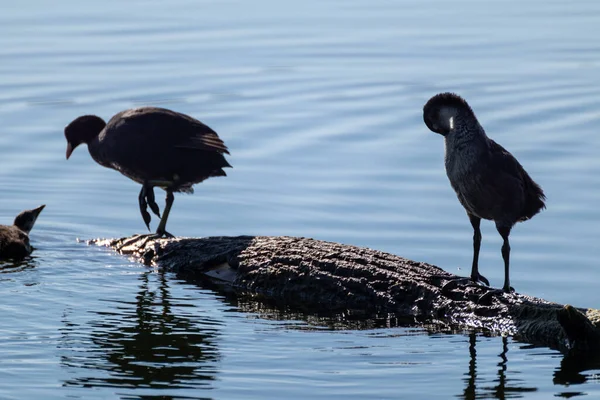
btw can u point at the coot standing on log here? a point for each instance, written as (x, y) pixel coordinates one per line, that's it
(154, 147)
(489, 182)
(14, 239)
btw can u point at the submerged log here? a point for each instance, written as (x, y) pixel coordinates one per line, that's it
(310, 274)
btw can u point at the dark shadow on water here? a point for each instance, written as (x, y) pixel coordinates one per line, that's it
(143, 344)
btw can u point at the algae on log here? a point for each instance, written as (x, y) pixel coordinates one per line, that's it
(313, 274)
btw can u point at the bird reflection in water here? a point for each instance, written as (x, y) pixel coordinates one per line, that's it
(504, 388)
(144, 344)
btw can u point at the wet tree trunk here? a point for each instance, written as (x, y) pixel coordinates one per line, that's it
(317, 275)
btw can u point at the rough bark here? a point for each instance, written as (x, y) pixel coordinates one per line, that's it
(309, 274)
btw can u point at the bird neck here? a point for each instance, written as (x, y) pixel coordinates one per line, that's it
(464, 147)
(97, 153)
(464, 132)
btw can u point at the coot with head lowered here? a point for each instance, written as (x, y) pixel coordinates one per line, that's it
(14, 239)
(489, 182)
(154, 147)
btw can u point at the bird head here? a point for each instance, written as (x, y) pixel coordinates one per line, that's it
(442, 110)
(82, 130)
(25, 220)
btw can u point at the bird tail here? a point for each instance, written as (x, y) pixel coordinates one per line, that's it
(535, 198)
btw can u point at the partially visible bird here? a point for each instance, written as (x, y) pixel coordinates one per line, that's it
(489, 182)
(14, 239)
(154, 147)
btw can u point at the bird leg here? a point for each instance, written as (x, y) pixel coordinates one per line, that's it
(504, 231)
(163, 222)
(455, 281)
(144, 207)
(475, 275)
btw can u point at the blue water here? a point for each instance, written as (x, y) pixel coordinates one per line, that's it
(320, 104)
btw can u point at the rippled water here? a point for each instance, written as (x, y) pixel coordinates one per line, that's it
(320, 104)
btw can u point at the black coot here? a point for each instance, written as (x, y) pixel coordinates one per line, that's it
(154, 147)
(489, 182)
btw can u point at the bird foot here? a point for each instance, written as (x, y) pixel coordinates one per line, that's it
(164, 234)
(144, 207)
(152, 202)
(129, 241)
(480, 278)
(144, 238)
(147, 218)
(455, 281)
(486, 298)
(146, 198)
(155, 235)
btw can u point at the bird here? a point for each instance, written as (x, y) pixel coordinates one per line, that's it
(14, 239)
(488, 180)
(155, 147)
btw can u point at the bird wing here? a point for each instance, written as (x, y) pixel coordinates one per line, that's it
(197, 136)
(174, 129)
(502, 160)
(159, 144)
(533, 197)
(503, 182)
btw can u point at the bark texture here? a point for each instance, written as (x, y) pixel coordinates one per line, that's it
(311, 274)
